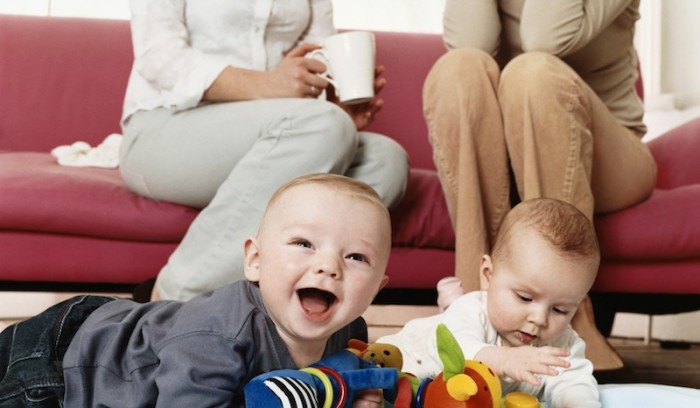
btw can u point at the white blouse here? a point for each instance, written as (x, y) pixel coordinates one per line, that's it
(181, 47)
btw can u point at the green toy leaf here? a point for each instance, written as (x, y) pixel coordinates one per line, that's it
(450, 353)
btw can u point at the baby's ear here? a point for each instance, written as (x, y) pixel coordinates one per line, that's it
(485, 272)
(382, 284)
(251, 263)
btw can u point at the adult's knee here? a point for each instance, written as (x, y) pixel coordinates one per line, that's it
(537, 74)
(459, 69)
(329, 125)
(386, 166)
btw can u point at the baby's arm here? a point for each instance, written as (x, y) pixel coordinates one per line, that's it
(193, 372)
(468, 320)
(575, 386)
(524, 363)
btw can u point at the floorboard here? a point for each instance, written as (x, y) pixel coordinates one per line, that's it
(653, 364)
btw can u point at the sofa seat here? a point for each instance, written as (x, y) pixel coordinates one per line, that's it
(37, 195)
(83, 220)
(645, 238)
(654, 247)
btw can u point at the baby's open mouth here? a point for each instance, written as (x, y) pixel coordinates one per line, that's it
(316, 302)
(525, 338)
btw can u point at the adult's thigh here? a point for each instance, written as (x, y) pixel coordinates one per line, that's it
(184, 156)
(624, 171)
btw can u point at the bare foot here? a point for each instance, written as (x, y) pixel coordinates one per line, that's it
(448, 289)
(598, 350)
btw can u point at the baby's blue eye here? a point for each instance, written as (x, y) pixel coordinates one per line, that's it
(303, 243)
(357, 257)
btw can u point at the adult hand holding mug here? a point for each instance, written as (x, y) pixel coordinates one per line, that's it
(363, 114)
(351, 70)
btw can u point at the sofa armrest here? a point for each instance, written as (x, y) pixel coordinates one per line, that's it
(677, 155)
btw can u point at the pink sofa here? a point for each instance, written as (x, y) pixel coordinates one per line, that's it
(63, 80)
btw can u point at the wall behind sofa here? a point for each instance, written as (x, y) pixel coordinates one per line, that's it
(389, 15)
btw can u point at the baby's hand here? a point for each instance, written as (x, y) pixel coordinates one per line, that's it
(525, 363)
(368, 399)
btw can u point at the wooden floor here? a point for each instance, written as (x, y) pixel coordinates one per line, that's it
(653, 364)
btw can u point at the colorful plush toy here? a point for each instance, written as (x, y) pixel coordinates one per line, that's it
(381, 354)
(465, 383)
(331, 382)
(335, 380)
(388, 355)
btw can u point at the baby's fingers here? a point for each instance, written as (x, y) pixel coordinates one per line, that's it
(555, 351)
(552, 357)
(554, 361)
(531, 378)
(544, 367)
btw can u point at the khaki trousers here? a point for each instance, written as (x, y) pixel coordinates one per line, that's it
(537, 123)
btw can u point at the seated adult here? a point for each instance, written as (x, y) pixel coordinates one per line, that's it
(222, 108)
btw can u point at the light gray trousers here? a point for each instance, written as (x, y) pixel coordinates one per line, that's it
(229, 159)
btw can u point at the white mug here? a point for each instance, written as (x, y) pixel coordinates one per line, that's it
(349, 57)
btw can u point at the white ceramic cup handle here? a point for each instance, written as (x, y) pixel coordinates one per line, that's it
(320, 55)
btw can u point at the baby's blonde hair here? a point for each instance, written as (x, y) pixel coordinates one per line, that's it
(343, 183)
(560, 224)
(349, 185)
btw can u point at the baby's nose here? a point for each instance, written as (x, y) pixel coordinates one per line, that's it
(538, 316)
(328, 264)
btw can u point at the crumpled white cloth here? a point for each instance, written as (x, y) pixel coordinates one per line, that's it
(81, 154)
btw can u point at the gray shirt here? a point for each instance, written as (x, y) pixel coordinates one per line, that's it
(198, 353)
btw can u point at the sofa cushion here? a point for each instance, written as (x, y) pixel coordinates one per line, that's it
(407, 58)
(676, 155)
(42, 257)
(664, 227)
(36, 194)
(62, 79)
(421, 218)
